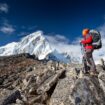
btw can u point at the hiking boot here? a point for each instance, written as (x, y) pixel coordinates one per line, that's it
(86, 71)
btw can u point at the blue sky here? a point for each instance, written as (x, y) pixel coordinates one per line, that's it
(54, 17)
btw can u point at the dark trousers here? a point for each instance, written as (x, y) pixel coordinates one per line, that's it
(88, 59)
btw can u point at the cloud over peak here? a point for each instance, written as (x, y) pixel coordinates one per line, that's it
(63, 45)
(7, 28)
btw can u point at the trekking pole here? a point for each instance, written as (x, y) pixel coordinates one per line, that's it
(83, 59)
(82, 49)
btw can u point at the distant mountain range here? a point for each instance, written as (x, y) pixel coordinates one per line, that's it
(34, 44)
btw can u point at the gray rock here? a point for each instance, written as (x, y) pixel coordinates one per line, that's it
(83, 91)
(29, 69)
(49, 82)
(99, 68)
(62, 91)
(1, 80)
(38, 99)
(87, 92)
(101, 78)
(9, 97)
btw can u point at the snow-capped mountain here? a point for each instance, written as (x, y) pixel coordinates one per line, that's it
(37, 44)
(34, 44)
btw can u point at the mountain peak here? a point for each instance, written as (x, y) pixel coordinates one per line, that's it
(33, 44)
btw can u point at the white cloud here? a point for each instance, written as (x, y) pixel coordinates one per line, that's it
(62, 44)
(101, 52)
(102, 30)
(4, 7)
(7, 28)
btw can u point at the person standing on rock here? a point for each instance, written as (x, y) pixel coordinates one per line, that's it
(88, 51)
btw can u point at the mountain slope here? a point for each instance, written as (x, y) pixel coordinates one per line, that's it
(8, 49)
(27, 81)
(34, 44)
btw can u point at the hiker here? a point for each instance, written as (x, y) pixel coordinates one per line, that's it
(88, 51)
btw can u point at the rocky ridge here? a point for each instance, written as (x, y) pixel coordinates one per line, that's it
(25, 80)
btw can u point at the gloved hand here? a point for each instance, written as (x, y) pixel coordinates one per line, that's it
(82, 41)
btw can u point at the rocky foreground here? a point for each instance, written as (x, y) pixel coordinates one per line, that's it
(26, 81)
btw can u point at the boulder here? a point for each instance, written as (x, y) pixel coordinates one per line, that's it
(50, 82)
(78, 91)
(1, 80)
(9, 96)
(101, 78)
